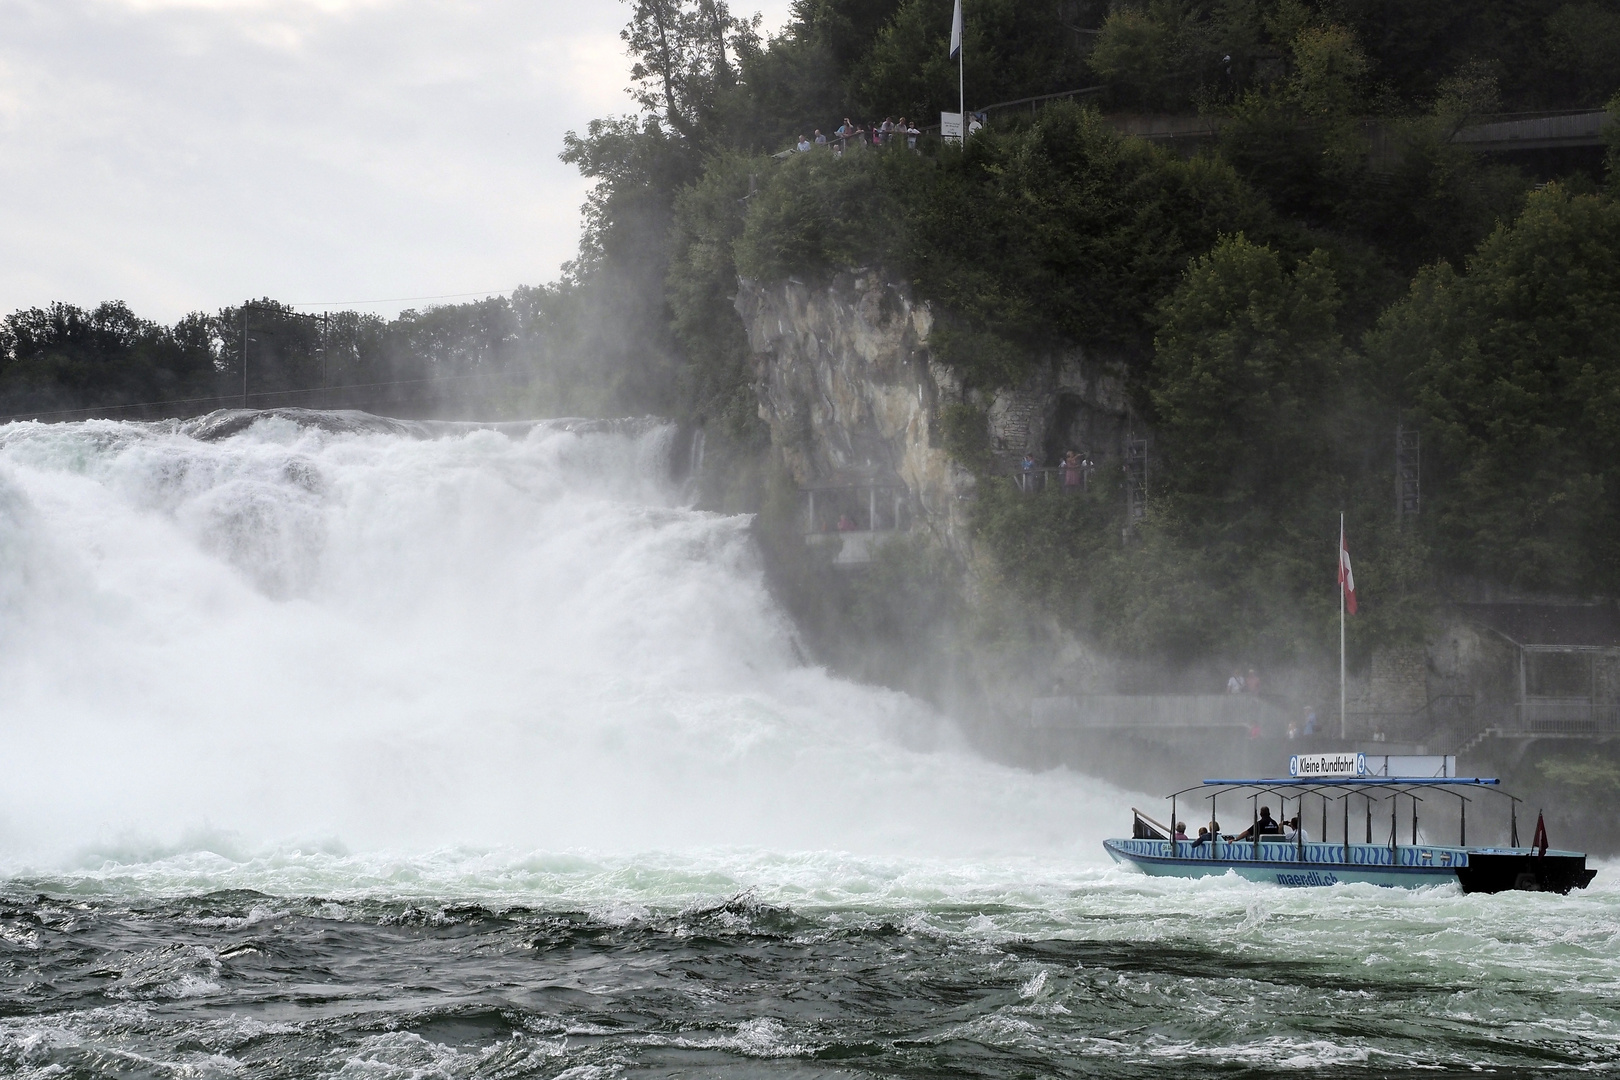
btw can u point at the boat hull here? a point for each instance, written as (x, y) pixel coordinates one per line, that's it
(1302, 866)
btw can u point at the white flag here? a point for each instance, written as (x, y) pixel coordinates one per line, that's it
(956, 30)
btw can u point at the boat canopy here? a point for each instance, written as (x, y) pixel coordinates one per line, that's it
(1356, 781)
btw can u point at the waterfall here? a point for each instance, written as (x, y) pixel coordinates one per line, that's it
(311, 628)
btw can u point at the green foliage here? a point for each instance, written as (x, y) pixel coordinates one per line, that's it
(702, 281)
(62, 357)
(683, 58)
(814, 214)
(985, 359)
(1514, 369)
(1594, 776)
(1582, 48)
(1172, 54)
(964, 431)
(1260, 435)
(1064, 230)
(1611, 136)
(1058, 231)
(1248, 372)
(1010, 49)
(1301, 140)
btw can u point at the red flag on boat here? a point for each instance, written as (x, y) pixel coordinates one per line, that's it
(1540, 842)
(1347, 580)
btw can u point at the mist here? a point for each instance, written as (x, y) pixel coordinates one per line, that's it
(344, 635)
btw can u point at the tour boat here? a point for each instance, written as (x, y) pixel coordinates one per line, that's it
(1299, 861)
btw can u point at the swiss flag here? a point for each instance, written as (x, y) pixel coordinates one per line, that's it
(1347, 580)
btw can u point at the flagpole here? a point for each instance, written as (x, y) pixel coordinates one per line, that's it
(1342, 725)
(961, 81)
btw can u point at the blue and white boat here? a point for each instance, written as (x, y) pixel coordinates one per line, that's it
(1292, 859)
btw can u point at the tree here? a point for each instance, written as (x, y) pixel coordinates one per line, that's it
(64, 357)
(1301, 142)
(1248, 376)
(1513, 369)
(679, 57)
(1175, 54)
(1011, 50)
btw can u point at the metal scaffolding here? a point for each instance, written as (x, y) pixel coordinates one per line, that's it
(1136, 481)
(1407, 494)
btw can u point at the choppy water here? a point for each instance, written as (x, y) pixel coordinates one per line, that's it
(738, 964)
(347, 749)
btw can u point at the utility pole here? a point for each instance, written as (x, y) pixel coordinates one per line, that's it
(244, 355)
(325, 336)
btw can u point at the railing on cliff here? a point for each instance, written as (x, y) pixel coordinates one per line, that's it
(856, 517)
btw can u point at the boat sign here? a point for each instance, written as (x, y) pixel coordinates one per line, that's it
(1319, 766)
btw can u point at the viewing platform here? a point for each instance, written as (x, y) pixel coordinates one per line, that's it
(855, 517)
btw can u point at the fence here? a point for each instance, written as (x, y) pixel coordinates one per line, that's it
(1568, 716)
(1031, 481)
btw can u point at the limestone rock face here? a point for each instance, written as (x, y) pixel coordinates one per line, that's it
(853, 396)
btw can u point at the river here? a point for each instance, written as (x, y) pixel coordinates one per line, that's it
(342, 747)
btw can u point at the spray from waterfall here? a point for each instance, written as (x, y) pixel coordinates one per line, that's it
(334, 629)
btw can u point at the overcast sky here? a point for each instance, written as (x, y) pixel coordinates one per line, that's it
(186, 154)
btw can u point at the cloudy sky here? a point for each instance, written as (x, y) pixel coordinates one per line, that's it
(185, 154)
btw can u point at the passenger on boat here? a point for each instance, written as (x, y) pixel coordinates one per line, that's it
(1181, 830)
(1266, 826)
(1211, 832)
(1293, 830)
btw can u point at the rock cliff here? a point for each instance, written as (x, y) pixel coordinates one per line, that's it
(854, 397)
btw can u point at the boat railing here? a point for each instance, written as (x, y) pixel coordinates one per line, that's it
(1310, 854)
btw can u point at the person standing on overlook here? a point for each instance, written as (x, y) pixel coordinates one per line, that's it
(1071, 473)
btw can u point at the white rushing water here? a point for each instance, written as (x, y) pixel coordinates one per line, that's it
(303, 637)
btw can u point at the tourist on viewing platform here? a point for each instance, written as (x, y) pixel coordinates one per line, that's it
(887, 129)
(846, 523)
(804, 144)
(1026, 477)
(821, 140)
(974, 124)
(1071, 473)
(1293, 730)
(911, 134)
(1251, 683)
(1310, 720)
(846, 131)
(1234, 685)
